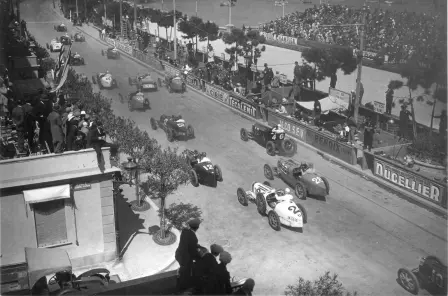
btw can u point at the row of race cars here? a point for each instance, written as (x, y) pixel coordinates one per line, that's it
(278, 205)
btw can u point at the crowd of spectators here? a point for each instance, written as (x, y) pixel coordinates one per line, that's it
(395, 34)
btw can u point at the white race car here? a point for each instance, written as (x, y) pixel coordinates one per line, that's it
(285, 211)
(105, 80)
(55, 45)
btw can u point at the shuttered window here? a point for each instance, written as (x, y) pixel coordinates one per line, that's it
(51, 228)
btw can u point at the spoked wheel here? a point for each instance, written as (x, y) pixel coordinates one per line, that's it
(304, 213)
(268, 172)
(288, 146)
(190, 131)
(169, 135)
(300, 190)
(408, 281)
(194, 178)
(267, 183)
(261, 204)
(270, 148)
(242, 197)
(244, 135)
(274, 221)
(218, 173)
(327, 185)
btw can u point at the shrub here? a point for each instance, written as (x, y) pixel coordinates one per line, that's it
(326, 285)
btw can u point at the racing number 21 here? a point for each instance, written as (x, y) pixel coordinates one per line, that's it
(208, 167)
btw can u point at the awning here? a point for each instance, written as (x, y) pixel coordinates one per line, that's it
(47, 194)
(327, 104)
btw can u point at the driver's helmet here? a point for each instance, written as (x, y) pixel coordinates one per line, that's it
(107, 72)
(279, 126)
(196, 153)
(287, 191)
(304, 166)
(203, 155)
(280, 192)
(66, 34)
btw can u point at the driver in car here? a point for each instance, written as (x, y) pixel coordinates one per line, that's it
(177, 119)
(279, 196)
(105, 74)
(203, 158)
(76, 56)
(278, 129)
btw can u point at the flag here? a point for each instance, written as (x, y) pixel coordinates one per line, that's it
(61, 74)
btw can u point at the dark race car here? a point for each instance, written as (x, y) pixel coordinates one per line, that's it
(300, 176)
(138, 101)
(76, 60)
(174, 127)
(173, 84)
(79, 37)
(430, 275)
(275, 143)
(65, 39)
(144, 82)
(60, 28)
(111, 53)
(203, 171)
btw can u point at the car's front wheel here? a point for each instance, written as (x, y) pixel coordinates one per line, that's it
(268, 172)
(194, 178)
(270, 148)
(408, 280)
(274, 220)
(300, 190)
(242, 197)
(190, 131)
(153, 123)
(261, 204)
(170, 135)
(218, 173)
(244, 135)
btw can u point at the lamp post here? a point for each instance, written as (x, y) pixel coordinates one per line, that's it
(121, 18)
(175, 30)
(132, 168)
(248, 59)
(281, 3)
(196, 7)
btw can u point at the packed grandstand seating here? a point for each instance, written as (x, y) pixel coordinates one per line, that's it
(396, 34)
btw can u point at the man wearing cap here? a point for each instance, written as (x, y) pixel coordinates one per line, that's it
(54, 119)
(204, 270)
(186, 252)
(223, 276)
(246, 289)
(405, 116)
(82, 119)
(72, 129)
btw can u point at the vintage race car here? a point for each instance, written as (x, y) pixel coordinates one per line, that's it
(60, 28)
(430, 275)
(137, 100)
(104, 80)
(143, 82)
(279, 213)
(275, 143)
(55, 45)
(111, 53)
(203, 171)
(66, 39)
(174, 127)
(173, 83)
(300, 176)
(79, 37)
(76, 60)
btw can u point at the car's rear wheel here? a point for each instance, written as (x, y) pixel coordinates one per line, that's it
(274, 220)
(270, 148)
(194, 178)
(304, 213)
(300, 190)
(268, 172)
(169, 135)
(327, 185)
(408, 280)
(218, 173)
(261, 204)
(244, 134)
(288, 146)
(242, 197)
(153, 123)
(190, 131)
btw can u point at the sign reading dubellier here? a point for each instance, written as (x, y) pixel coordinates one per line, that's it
(194, 82)
(423, 187)
(239, 104)
(82, 186)
(217, 94)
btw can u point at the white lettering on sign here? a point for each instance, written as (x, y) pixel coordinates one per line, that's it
(379, 107)
(240, 105)
(424, 188)
(280, 38)
(293, 129)
(217, 93)
(194, 82)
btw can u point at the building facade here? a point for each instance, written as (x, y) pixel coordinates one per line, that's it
(58, 201)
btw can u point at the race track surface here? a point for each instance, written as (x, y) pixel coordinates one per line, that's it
(362, 232)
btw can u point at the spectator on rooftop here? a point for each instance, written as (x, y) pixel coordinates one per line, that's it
(18, 118)
(333, 80)
(54, 119)
(72, 130)
(405, 116)
(223, 276)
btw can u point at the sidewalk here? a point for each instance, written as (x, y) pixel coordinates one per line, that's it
(375, 81)
(141, 256)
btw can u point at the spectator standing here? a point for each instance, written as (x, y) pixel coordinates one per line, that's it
(82, 119)
(317, 112)
(204, 272)
(4, 106)
(404, 123)
(54, 119)
(64, 119)
(389, 100)
(333, 80)
(30, 125)
(267, 76)
(246, 289)
(297, 73)
(295, 90)
(187, 252)
(361, 92)
(442, 126)
(223, 276)
(368, 133)
(18, 117)
(72, 130)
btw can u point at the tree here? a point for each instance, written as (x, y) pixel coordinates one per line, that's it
(244, 44)
(326, 285)
(179, 214)
(167, 170)
(329, 60)
(210, 30)
(156, 17)
(192, 28)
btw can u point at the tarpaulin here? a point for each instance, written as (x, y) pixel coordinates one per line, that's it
(47, 194)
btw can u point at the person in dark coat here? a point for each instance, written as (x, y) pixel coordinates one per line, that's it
(333, 80)
(369, 130)
(317, 112)
(55, 122)
(186, 252)
(204, 272)
(404, 122)
(72, 130)
(246, 289)
(389, 100)
(223, 276)
(18, 117)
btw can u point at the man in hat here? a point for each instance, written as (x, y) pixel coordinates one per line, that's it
(405, 116)
(246, 289)
(72, 129)
(55, 122)
(187, 252)
(223, 276)
(18, 117)
(82, 119)
(297, 73)
(317, 112)
(204, 270)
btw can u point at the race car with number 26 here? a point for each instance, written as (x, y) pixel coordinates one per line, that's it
(301, 176)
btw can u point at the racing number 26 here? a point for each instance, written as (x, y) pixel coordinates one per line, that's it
(294, 209)
(317, 180)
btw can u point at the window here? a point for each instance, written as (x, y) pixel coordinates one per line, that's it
(51, 226)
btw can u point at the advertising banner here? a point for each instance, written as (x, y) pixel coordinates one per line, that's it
(170, 69)
(280, 38)
(291, 127)
(217, 94)
(110, 41)
(194, 82)
(417, 184)
(242, 105)
(329, 145)
(124, 47)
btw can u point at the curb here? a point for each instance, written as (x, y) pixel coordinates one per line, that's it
(172, 259)
(402, 193)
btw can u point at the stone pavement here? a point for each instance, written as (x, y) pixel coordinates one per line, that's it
(375, 81)
(141, 256)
